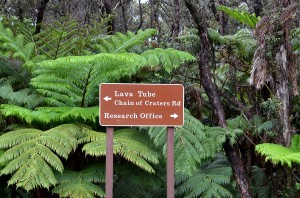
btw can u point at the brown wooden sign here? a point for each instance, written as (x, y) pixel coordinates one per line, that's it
(141, 104)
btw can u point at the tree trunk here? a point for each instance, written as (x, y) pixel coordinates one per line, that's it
(154, 23)
(20, 11)
(111, 22)
(232, 151)
(141, 16)
(287, 69)
(223, 19)
(257, 7)
(124, 15)
(176, 23)
(40, 15)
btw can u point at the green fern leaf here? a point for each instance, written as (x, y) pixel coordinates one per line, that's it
(167, 58)
(51, 114)
(194, 142)
(208, 181)
(15, 45)
(295, 143)
(59, 39)
(261, 185)
(80, 184)
(128, 143)
(74, 81)
(32, 153)
(278, 154)
(241, 16)
(121, 43)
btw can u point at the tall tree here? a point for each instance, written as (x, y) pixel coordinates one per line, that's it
(232, 151)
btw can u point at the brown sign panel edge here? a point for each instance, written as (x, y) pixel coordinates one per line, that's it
(142, 84)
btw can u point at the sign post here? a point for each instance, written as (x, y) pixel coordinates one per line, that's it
(141, 105)
(170, 163)
(109, 164)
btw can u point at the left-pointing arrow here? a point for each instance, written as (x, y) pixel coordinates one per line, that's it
(107, 98)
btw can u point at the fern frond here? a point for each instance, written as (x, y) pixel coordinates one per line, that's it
(123, 42)
(243, 42)
(208, 181)
(15, 45)
(25, 114)
(261, 185)
(280, 154)
(32, 153)
(194, 142)
(295, 143)
(81, 184)
(128, 143)
(22, 97)
(167, 58)
(33, 174)
(51, 114)
(59, 39)
(241, 16)
(238, 122)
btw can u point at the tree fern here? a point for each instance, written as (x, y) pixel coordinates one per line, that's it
(242, 42)
(128, 143)
(241, 16)
(32, 154)
(280, 154)
(74, 80)
(208, 181)
(81, 184)
(194, 142)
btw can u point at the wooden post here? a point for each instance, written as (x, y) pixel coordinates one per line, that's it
(170, 162)
(109, 182)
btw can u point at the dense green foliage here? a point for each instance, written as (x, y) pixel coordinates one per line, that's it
(51, 144)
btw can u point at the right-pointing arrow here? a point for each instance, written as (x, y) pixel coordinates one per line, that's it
(174, 116)
(107, 98)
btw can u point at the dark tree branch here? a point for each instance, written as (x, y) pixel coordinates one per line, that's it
(124, 15)
(20, 11)
(108, 10)
(176, 23)
(40, 15)
(257, 7)
(141, 15)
